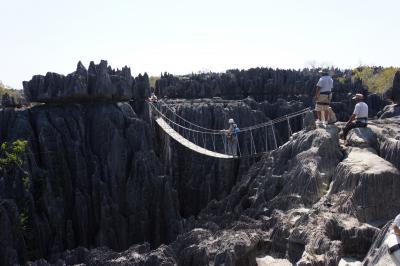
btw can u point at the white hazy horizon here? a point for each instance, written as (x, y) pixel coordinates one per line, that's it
(182, 37)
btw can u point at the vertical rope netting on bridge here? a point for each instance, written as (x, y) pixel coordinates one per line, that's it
(252, 143)
(289, 127)
(273, 134)
(266, 139)
(213, 140)
(224, 142)
(238, 146)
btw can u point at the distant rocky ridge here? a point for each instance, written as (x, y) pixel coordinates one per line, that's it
(98, 83)
(266, 84)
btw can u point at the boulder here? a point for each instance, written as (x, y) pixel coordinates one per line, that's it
(396, 88)
(309, 121)
(369, 186)
(98, 83)
(361, 137)
(390, 111)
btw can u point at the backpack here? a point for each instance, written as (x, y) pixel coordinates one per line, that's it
(235, 131)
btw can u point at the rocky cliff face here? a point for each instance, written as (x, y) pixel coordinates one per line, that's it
(93, 179)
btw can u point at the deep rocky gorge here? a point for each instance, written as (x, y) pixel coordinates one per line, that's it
(101, 184)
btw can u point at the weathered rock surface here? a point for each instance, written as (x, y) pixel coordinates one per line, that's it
(98, 83)
(390, 111)
(103, 256)
(92, 179)
(388, 135)
(394, 92)
(10, 101)
(369, 184)
(362, 137)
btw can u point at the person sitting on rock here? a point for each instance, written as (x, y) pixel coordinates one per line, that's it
(323, 96)
(359, 118)
(232, 137)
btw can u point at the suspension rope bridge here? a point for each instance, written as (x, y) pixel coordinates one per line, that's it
(251, 141)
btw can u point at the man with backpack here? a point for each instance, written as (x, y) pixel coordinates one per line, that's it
(232, 137)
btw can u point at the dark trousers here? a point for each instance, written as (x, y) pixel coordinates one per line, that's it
(352, 125)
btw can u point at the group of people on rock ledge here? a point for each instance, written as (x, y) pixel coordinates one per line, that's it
(323, 97)
(324, 112)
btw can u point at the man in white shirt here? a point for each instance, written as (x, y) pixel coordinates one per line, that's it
(359, 118)
(323, 97)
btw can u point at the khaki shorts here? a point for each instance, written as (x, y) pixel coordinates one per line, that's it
(322, 103)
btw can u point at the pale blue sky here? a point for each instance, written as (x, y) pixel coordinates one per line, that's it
(187, 36)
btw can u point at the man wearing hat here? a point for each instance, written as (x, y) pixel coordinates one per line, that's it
(323, 96)
(359, 118)
(232, 137)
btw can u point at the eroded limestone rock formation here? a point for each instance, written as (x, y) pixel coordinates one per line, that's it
(98, 83)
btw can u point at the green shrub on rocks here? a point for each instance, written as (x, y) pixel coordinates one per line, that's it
(11, 154)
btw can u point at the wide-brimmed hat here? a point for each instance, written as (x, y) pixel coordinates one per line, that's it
(358, 96)
(231, 121)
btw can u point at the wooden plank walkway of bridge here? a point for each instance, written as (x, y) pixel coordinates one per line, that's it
(179, 138)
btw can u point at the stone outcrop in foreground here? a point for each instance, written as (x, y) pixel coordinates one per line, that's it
(98, 83)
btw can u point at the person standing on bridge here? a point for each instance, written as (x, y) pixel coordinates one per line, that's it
(323, 96)
(232, 137)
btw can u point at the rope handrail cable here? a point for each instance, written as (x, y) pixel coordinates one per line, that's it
(185, 120)
(276, 120)
(220, 132)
